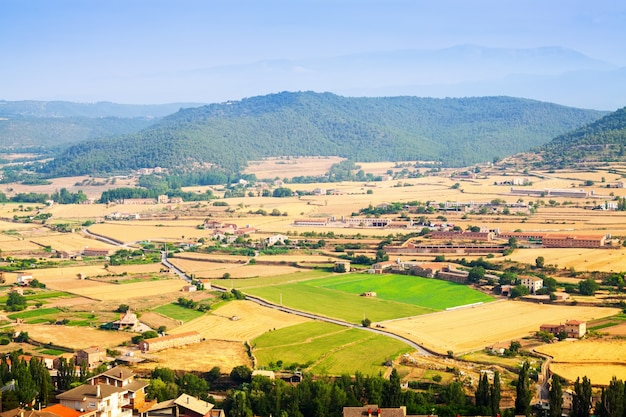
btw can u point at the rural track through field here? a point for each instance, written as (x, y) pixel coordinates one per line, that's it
(421, 349)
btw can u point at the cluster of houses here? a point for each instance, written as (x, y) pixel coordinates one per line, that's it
(229, 231)
(574, 329)
(117, 393)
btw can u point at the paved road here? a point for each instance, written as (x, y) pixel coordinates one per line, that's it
(182, 275)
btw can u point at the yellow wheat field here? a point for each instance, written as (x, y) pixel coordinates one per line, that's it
(200, 357)
(74, 337)
(252, 320)
(607, 260)
(469, 329)
(125, 292)
(598, 359)
(70, 242)
(125, 232)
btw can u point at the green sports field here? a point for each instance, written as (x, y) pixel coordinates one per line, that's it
(327, 349)
(396, 296)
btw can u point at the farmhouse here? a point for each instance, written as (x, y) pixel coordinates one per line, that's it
(170, 341)
(96, 251)
(24, 279)
(91, 357)
(533, 284)
(448, 273)
(427, 269)
(341, 266)
(128, 321)
(573, 328)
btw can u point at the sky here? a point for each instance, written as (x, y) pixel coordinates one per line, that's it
(156, 51)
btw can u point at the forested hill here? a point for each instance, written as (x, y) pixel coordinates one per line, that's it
(602, 140)
(457, 132)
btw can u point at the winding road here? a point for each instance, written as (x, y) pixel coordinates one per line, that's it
(421, 349)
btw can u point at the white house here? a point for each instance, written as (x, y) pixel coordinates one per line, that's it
(105, 400)
(532, 283)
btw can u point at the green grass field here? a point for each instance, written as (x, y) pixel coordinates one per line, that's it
(42, 296)
(327, 349)
(177, 312)
(398, 296)
(29, 314)
(243, 283)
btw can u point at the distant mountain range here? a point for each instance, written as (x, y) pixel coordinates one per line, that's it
(552, 74)
(457, 132)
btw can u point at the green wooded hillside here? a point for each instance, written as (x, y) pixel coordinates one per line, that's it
(601, 141)
(457, 132)
(44, 133)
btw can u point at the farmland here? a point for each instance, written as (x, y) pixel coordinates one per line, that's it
(474, 328)
(328, 349)
(599, 360)
(397, 296)
(301, 278)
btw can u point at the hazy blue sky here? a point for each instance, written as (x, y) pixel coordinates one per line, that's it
(150, 51)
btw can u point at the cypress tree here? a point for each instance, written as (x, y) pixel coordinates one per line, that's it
(556, 397)
(523, 393)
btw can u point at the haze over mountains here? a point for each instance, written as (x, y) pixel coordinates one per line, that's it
(553, 74)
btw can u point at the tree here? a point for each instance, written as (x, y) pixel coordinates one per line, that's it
(550, 283)
(16, 302)
(241, 374)
(161, 390)
(122, 308)
(508, 278)
(540, 261)
(588, 286)
(240, 405)
(523, 391)
(611, 403)
(392, 394)
(193, 385)
(495, 395)
(555, 397)
(366, 322)
(483, 396)
(581, 403)
(476, 274)
(519, 291)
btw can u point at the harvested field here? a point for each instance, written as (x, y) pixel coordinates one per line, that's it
(289, 167)
(156, 320)
(253, 320)
(204, 269)
(124, 232)
(136, 269)
(129, 291)
(201, 357)
(598, 373)
(71, 242)
(607, 260)
(50, 275)
(598, 359)
(74, 337)
(469, 329)
(198, 256)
